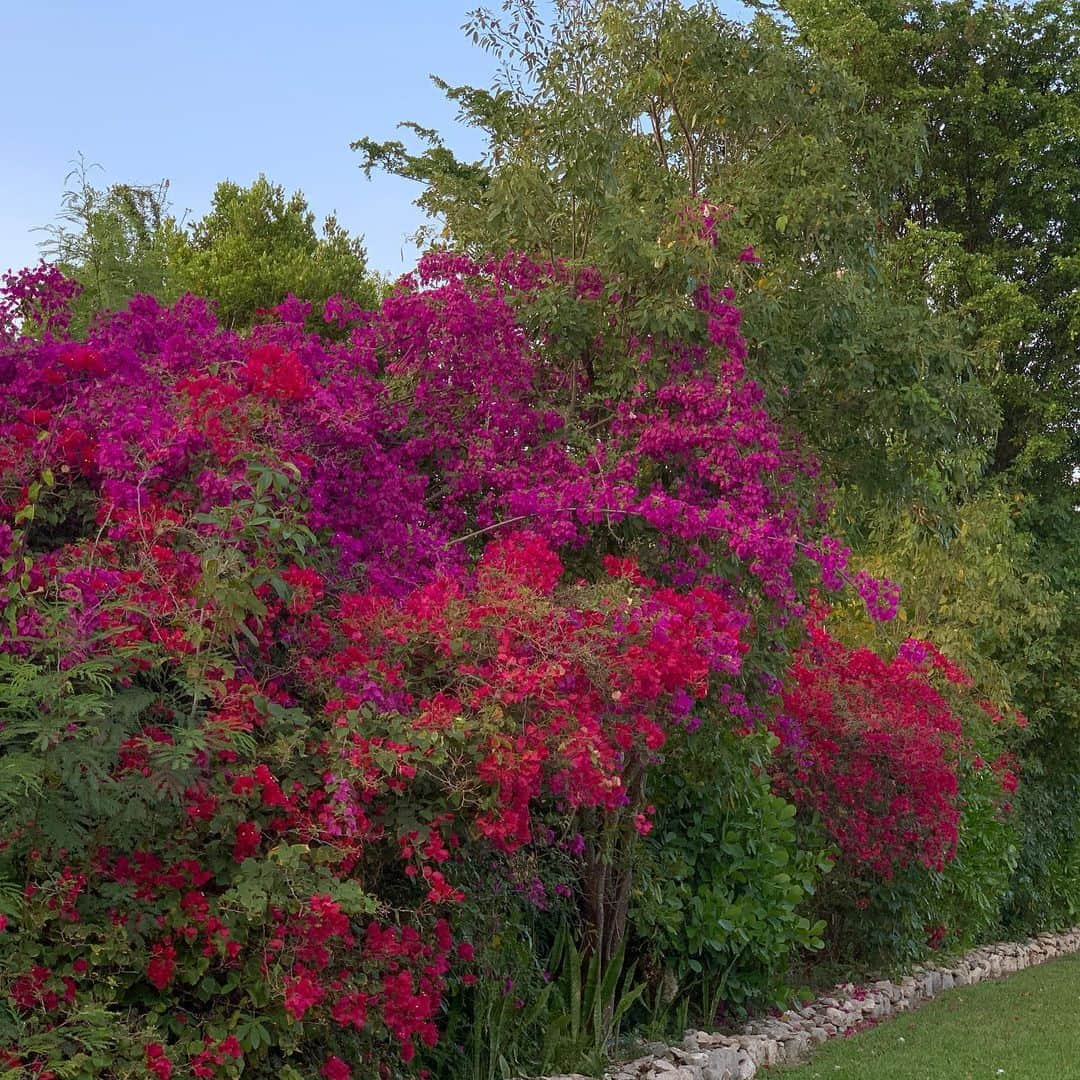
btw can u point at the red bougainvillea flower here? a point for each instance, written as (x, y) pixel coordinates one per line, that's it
(157, 1062)
(335, 1069)
(875, 749)
(161, 969)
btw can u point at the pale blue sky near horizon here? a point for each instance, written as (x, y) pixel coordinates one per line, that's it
(228, 90)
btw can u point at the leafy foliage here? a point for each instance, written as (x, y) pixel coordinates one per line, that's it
(659, 143)
(991, 219)
(252, 249)
(989, 227)
(393, 685)
(114, 241)
(725, 890)
(255, 246)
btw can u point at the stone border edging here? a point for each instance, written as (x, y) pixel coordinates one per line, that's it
(788, 1038)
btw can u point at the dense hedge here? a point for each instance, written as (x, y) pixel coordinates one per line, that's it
(376, 699)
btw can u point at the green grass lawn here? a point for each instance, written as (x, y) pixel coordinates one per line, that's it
(1027, 1025)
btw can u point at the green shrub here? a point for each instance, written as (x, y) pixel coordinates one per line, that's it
(720, 906)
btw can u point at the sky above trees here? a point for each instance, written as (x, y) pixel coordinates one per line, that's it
(215, 91)
(210, 91)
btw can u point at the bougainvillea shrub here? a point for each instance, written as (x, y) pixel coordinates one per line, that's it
(906, 771)
(313, 649)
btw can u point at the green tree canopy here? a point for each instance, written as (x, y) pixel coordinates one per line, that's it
(254, 247)
(992, 220)
(990, 229)
(115, 241)
(617, 130)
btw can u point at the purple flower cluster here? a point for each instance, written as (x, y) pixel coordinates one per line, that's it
(438, 419)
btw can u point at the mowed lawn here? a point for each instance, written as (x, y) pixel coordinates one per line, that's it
(1027, 1025)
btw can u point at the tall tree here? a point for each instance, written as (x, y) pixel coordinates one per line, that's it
(991, 227)
(659, 142)
(114, 240)
(992, 220)
(256, 245)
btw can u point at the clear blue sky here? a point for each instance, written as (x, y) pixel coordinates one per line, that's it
(200, 92)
